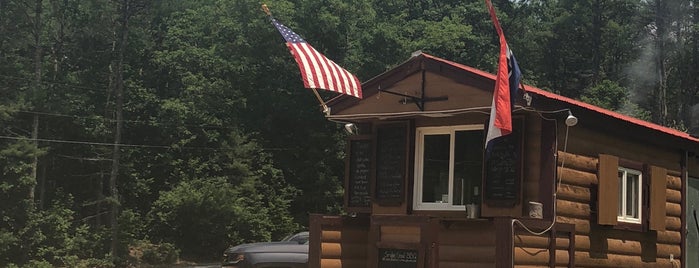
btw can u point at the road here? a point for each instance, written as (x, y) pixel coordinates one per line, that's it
(198, 265)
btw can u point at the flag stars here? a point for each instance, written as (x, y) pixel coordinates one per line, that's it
(288, 35)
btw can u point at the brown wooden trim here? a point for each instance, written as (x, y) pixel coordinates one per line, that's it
(552, 246)
(607, 190)
(548, 167)
(314, 240)
(683, 204)
(382, 81)
(631, 164)
(504, 242)
(399, 220)
(428, 234)
(359, 220)
(645, 198)
(441, 213)
(459, 75)
(570, 230)
(431, 241)
(658, 199)
(374, 238)
(629, 226)
(410, 170)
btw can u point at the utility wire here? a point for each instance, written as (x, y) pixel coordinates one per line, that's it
(96, 88)
(111, 144)
(151, 123)
(130, 145)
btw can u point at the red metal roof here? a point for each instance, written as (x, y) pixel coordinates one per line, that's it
(541, 92)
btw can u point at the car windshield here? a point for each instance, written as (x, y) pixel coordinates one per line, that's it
(301, 238)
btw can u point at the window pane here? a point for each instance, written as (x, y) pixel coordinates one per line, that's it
(468, 166)
(620, 203)
(435, 173)
(632, 198)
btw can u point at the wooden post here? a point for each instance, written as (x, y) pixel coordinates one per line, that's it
(504, 243)
(314, 240)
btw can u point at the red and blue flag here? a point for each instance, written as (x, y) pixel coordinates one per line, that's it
(506, 87)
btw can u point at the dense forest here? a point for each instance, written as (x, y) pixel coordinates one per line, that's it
(158, 129)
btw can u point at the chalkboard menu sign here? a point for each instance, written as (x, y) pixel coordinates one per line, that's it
(358, 173)
(398, 258)
(502, 168)
(391, 154)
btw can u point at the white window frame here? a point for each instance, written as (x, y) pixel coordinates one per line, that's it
(419, 150)
(622, 193)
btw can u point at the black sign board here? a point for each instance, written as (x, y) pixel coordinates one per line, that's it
(359, 173)
(398, 258)
(391, 154)
(502, 168)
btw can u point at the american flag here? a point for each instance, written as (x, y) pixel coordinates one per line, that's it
(318, 71)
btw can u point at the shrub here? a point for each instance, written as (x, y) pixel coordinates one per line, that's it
(153, 254)
(164, 253)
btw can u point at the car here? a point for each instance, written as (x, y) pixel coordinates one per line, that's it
(290, 252)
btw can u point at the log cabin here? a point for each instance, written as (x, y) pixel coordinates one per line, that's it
(573, 185)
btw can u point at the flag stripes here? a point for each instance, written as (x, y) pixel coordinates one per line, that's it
(317, 71)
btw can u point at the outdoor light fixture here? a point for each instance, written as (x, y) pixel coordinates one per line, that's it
(351, 128)
(571, 120)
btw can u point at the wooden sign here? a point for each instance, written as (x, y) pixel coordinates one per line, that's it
(358, 174)
(502, 168)
(391, 155)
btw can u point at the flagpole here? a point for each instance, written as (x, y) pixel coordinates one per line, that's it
(326, 110)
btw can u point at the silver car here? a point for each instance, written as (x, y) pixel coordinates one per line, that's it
(291, 252)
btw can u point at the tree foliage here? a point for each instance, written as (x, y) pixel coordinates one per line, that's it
(218, 137)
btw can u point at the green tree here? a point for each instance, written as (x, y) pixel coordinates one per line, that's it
(606, 94)
(249, 204)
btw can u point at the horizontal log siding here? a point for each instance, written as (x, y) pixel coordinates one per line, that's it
(615, 248)
(343, 246)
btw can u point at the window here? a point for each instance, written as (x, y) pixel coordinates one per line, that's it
(631, 195)
(448, 167)
(629, 203)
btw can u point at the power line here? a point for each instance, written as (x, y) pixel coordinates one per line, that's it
(151, 123)
(96, 88)
(111, 144)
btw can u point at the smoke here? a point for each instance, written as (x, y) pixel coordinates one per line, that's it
(642, 72)
(667, 28)
(693, 123)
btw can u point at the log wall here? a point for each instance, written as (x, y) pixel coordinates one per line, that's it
(533, 250)
(603, 246)
(342, 243)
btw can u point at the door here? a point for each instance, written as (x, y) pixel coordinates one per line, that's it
(692, 223)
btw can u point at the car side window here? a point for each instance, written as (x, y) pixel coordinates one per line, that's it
(301, 238)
